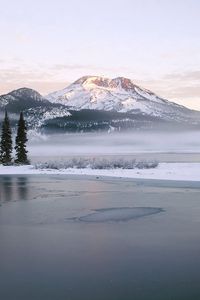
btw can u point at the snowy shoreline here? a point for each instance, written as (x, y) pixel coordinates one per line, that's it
(165, 171)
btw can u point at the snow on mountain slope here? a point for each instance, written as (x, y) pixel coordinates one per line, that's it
(36, 117)
(119, 94)
(36, 108)
(96, 103)
(24, 94)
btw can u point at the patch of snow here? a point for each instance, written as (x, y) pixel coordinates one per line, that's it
(38, 116)
(165, 171)
(149, 95)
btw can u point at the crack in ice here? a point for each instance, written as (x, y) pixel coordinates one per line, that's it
(119, 214)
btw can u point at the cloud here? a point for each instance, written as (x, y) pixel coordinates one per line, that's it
(16, 74)
(187, 92)
(58, 67)
(17, 77)
(189, 76)
(86, 68)
(183, 88)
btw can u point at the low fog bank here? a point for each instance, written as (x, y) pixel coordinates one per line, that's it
(139, 145)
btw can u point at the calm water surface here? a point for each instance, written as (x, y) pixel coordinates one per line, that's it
(46, 252)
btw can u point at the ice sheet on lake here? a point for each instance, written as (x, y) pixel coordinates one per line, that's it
(119, 214)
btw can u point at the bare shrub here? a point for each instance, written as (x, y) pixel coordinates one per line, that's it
(97, 163)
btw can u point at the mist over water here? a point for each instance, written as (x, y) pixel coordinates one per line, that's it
(139, 144)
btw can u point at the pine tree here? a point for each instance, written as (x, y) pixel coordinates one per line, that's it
(20, 142)
(6, 141)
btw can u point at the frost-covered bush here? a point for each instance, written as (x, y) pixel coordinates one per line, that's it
(147, 165)
(97, 163)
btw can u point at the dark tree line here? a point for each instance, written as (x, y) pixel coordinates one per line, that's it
(6, 144)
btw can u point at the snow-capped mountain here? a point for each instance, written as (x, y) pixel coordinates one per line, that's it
(119, 94)
(95, 103)
(22, 98)
(36, 108)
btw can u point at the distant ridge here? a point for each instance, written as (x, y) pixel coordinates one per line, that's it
(94, 103)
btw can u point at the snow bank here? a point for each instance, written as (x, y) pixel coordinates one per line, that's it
(164, 171)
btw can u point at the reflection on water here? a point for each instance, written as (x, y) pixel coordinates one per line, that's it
(22, 187)
(13, 188)
(6, 188)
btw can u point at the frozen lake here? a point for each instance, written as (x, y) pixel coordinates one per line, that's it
(65, 237)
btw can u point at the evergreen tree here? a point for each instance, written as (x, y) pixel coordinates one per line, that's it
(6, 141)
(20, 142)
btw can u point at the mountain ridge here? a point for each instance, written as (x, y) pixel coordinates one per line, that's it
(97, 103)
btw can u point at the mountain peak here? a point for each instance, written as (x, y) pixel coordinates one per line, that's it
(22, 98)
(93, 80)
(116, 83)
(123, 83)
(26, 92)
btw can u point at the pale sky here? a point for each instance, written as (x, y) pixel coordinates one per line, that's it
(46, 44)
